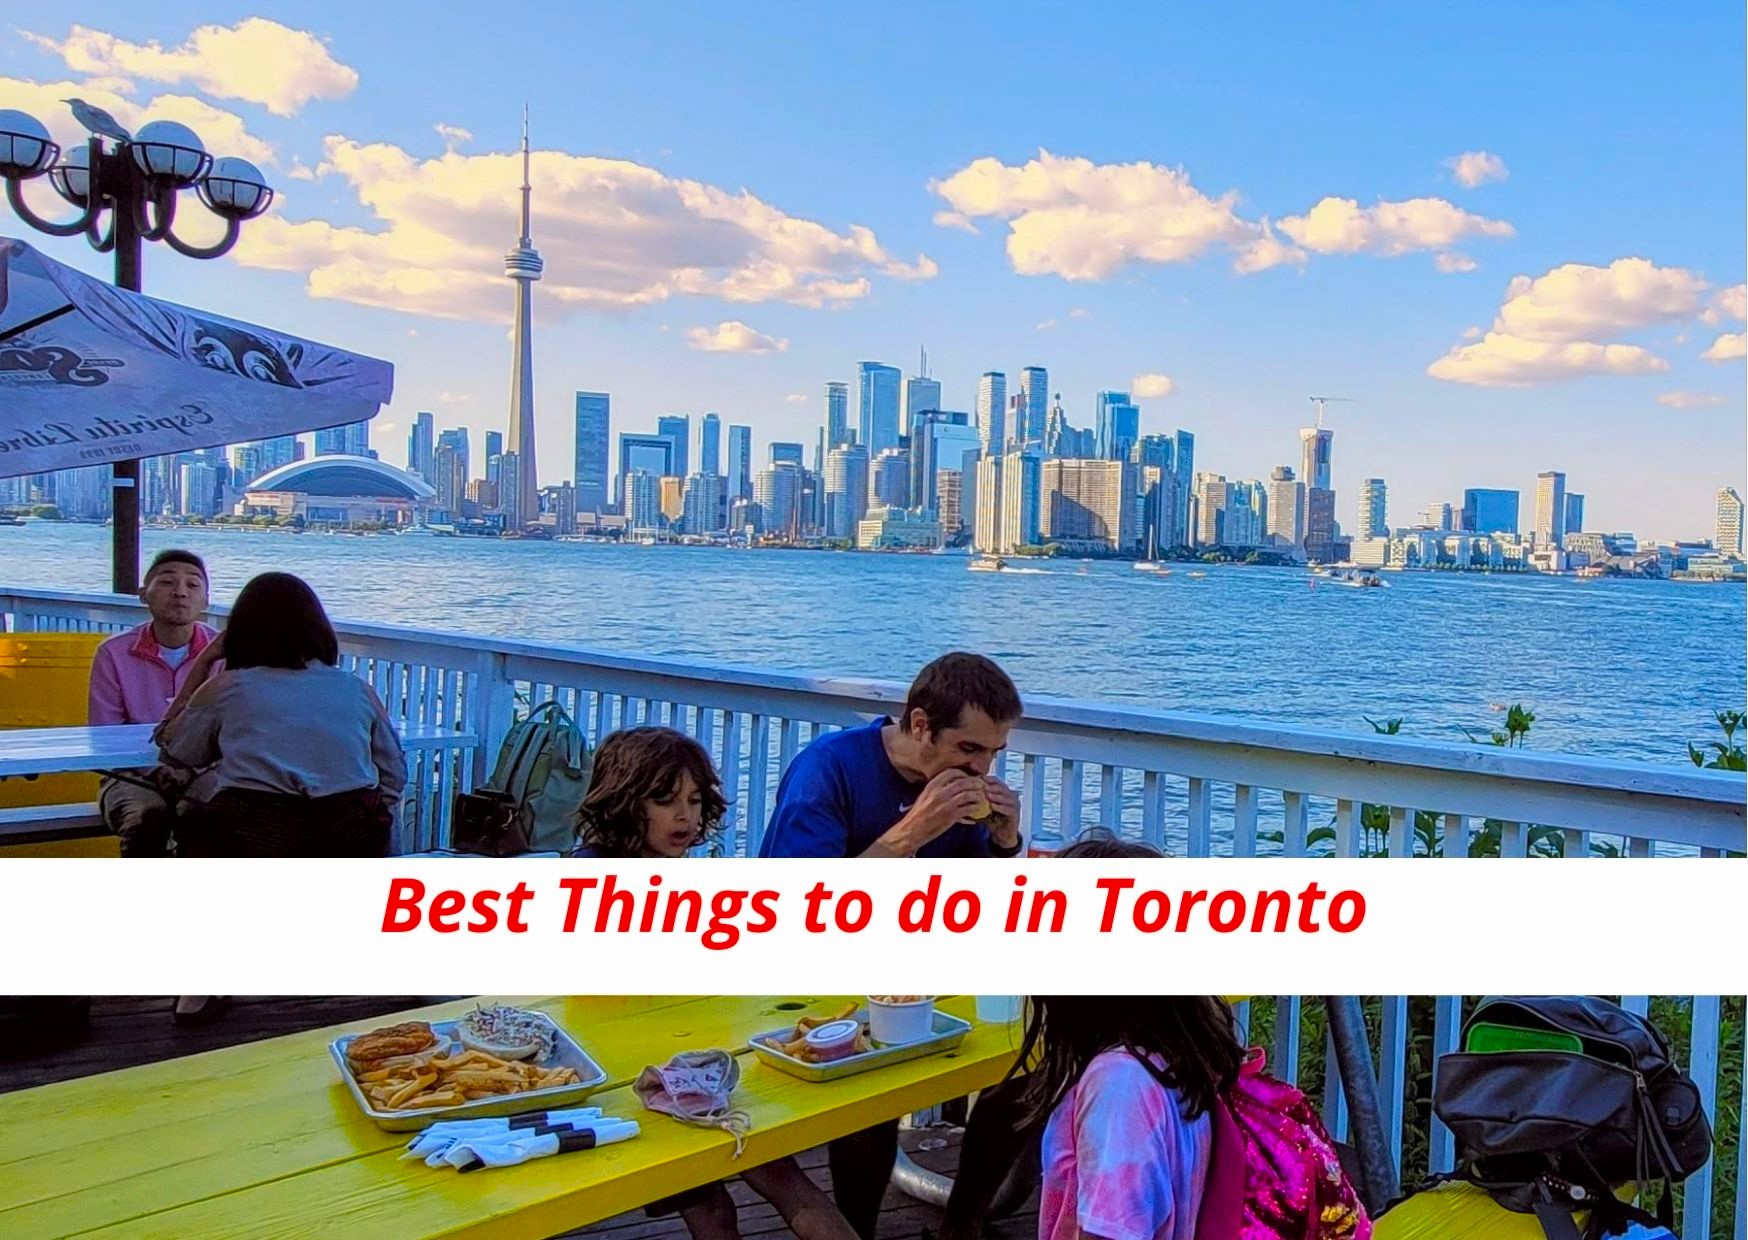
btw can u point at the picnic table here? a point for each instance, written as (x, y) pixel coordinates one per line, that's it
(262, 1140)
(128, 746)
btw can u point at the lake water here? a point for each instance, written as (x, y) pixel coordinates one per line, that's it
(1610, 668)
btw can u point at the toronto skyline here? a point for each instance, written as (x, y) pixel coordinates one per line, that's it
(1234, 222)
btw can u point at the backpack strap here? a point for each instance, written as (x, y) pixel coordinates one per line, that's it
(1221, 1215)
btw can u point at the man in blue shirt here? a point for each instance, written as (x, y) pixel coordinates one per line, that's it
(917, 786)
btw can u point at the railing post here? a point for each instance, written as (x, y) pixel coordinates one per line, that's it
(494, 713)
(1702, 1066)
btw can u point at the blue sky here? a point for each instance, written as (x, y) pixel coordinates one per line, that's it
(812, 176)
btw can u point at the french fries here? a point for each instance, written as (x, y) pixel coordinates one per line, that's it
(439, 1079)
(796, 1047)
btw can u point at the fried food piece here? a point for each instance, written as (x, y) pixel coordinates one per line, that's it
(369, 1050)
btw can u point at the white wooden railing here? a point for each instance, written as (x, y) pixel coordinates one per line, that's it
(1196, 785)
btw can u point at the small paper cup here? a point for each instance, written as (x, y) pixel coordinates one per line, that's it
(894, 1024)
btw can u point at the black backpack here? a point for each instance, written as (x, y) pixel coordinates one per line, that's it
(1553, 1131)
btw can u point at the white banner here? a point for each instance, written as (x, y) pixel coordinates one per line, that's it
(437, 926)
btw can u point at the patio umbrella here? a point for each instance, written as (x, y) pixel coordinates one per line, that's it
(91, 374)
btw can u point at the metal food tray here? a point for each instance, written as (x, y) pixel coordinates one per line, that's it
(949, 1032)
(566, 1053)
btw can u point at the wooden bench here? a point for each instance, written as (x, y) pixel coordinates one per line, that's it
(56, 831)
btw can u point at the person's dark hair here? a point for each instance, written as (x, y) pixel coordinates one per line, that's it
(1195, 1036)
(944, 688)
(175, 555)
(638, 765)
(277, 621)
(1102, 844)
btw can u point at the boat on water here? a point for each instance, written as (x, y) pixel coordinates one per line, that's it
(987, 564)
(1197, 573)
(1352, 579)
(427, 531)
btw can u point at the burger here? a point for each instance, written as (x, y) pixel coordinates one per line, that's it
(507, 1032)
(986, 813)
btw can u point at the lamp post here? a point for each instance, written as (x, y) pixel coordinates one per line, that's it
(126, 190)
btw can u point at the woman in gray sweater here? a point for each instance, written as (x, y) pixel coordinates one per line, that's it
(300, 756)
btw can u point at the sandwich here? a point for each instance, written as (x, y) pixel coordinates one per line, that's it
(507, 1032)
(370, 1050)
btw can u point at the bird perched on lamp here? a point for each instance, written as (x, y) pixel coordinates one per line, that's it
(97, 121)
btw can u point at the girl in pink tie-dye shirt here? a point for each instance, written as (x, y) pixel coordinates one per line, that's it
(1128, 1083)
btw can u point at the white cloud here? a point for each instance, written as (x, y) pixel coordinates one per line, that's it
(953, 219)
(1561, 325)
(1452, 262)
(1690, 400)
(222, 132)
(1473, 168)
(1501, 360)
(1079, 312)
(734, 336)
(1729, 347)
(1342, 226)
(796, 398)
(452, 135)
(1150, 385)
(257, 60)
(1580, 302)
(1472, 333)
(1073, 218)
(1730, 303)
(1046, 325)
(614, 234)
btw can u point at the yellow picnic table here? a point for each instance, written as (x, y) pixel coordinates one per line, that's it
(262, 1140)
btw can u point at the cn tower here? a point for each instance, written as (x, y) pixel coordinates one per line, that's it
(523, 265)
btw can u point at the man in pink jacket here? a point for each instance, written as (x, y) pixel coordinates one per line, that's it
(135, 676)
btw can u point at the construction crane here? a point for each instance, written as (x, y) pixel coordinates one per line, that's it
(1321, 401)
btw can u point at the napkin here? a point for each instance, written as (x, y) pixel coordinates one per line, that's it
(520, 1146)
(441, 1136)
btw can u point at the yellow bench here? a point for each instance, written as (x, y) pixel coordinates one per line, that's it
(262, 1140)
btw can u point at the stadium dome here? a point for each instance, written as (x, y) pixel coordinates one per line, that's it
(346, 477)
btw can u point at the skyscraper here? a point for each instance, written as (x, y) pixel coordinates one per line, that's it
(451, 470)
(1117, 425)
(1550, 526)
(837, 415)
(777, 492)
(594, 432)
(650, 454)
(740, 462)
(701, 503)
(1373, 519)
(710, 444)
(1728, 536)
(1022, 476)
(1489, 512)
(1181, 532)
(1286, 509)
(523, 265)
(1574, 521)
(676, 428)
(1316, 444)
(986, 505)
(642, 493)
(1035, 388)
(877, 396)
(494, 444)
(1212, 495)
(992, 400)
(787, 452)
(421, 446)
(1246, 514)
(890, 480)
(1086, 502)
(846, 490)
(1319, 524)
(352, 440)
(921, 394)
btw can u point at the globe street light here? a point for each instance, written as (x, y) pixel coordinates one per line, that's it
(126, 188)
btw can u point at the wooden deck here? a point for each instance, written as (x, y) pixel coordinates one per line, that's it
(125, 1032)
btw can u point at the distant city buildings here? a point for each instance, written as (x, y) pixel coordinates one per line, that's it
(877, 408)
(895, 529)
(837, 415)
(676, 428)
(422, 446)
(740, 463)
(846, 490)
(594, 431)
(710, 444)
(1035, 400)
(1490, 511)
(1284, 528)
(1574, 520)
(1374, 510)
(1088, 505)
(1728, 536)
(351, 440)
(1550, 523)
(992, 400)
(1116, 425)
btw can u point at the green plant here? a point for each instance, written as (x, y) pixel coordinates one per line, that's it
(1726, 755)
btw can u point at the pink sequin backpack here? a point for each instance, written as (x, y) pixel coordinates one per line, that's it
(1274, 1173)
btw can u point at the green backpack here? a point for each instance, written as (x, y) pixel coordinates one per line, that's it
(536, 788)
